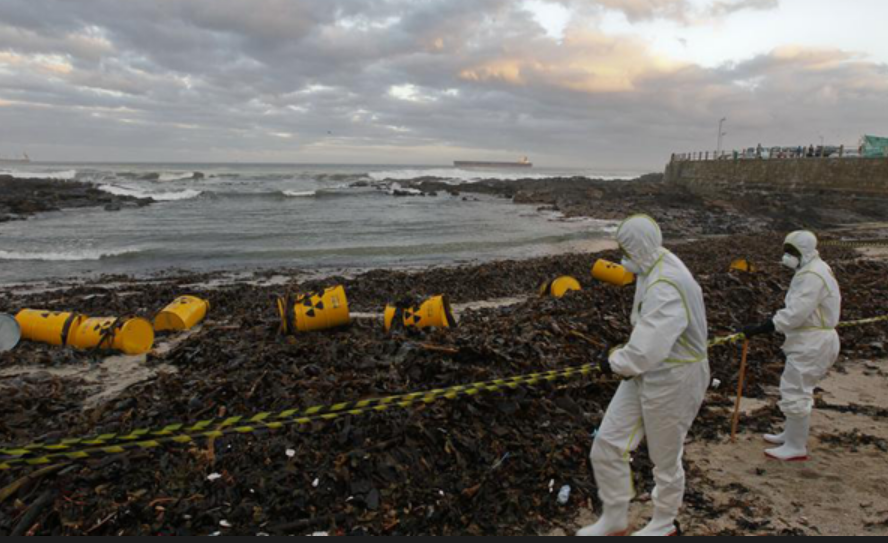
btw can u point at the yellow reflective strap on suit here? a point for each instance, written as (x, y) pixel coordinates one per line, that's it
(822, 318)
(677, 362)
(825, 282)
(683, 341)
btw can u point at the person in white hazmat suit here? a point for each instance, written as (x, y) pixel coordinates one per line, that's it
(667, 366)
(813, 311)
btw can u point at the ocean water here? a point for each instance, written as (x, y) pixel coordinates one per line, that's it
(256, 217)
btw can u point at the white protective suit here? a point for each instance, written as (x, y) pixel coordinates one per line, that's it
(667, 356)
(813, 311)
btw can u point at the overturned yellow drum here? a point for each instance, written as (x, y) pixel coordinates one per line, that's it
(613, 274)
(183, 314)
(433, 313)
(129, 336)
(50, 327)
(560, 287)
(314, 312)
(743, 265)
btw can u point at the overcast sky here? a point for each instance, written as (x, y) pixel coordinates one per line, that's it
(588, 83)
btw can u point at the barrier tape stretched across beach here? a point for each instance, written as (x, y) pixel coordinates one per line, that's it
(74, 449)
(858, 244)
(112, 444)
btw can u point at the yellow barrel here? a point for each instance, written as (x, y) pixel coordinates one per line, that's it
(743, 265)
(183, 314)
(560, 287)
(314, 312)
(433, 313)
(50, 327)
(614, 274)
(129, 336)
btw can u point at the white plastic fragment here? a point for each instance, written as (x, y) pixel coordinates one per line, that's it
(564, 495)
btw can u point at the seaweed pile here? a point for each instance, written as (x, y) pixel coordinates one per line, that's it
(482, 465)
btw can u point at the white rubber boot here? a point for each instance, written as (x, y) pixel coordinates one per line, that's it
(662, 525)
(796, 447)
(776, 439)
(614, 522)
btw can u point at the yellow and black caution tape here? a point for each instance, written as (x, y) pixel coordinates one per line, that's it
(111, 444)
(864, 322)
(857, 244)
(727, 340)
(38, 454)
(209, 427)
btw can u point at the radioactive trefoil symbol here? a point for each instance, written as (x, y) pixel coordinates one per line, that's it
(412, 315)
(313, 306)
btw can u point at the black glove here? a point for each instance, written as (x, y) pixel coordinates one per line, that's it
(604, 363)
(765, 329)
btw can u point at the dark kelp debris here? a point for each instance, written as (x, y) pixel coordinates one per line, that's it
(486, 465)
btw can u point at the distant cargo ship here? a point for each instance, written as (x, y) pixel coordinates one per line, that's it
(523, 163)
(25, 159)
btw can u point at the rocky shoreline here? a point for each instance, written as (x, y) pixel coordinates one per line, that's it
(682, 213)
(24, 198)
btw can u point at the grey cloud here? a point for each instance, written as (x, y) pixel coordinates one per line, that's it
(727, 7)
(293, 80)
(678, 10)
(648, 9)
(634, 10)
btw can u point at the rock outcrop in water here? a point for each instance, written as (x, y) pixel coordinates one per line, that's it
(23, 198)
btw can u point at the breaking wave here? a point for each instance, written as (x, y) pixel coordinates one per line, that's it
(284, 194)
(156, 196)
(300, 193)
(170, 177)
(67, 175)
(67, 256)
(160, 177)
(396, 188)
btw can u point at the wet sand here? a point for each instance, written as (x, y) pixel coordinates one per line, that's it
(841, 491)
